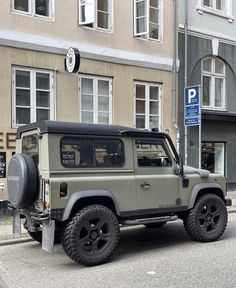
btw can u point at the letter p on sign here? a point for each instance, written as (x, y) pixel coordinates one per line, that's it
(191, 95)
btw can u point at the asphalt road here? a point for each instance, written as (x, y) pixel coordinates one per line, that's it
(164, 257)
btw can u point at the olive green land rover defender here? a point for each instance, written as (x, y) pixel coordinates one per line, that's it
(79, 183)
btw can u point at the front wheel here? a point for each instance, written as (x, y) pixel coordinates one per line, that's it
(207, 220)
(91, 236)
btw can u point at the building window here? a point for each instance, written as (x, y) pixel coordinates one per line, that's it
(147, 19)
(213, 157)
(219, 5)
(96, 14)
(213, 84)
(32, 96)
(95, 100)
(40, 8)
(147, 105)
(222, 8)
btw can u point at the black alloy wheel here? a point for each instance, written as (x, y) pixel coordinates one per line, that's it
(91, 237)
(207, 220)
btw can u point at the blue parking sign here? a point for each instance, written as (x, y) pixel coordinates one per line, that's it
(192, 106)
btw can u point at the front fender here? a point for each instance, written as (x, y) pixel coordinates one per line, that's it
(197, 188)
(75, 197)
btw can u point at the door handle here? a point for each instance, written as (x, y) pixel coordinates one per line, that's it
(145, 185)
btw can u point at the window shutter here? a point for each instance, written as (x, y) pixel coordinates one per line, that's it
(86, 12)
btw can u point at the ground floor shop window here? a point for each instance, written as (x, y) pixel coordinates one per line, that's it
(213, 157)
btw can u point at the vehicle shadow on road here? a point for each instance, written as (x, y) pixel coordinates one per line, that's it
(140, 238)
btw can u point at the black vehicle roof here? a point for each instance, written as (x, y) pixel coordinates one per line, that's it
(59, 127)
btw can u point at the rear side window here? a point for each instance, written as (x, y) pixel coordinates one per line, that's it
(91, 152)
(30, 146)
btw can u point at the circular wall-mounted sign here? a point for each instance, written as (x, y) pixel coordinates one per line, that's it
(72, 60)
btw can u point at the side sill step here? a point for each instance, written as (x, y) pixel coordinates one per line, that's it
(149, 220)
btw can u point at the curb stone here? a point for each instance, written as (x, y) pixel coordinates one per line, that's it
(15, 241)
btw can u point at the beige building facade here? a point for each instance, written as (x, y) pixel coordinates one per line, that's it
(125, 77)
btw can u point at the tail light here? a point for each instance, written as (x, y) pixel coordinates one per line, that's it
(46, 193)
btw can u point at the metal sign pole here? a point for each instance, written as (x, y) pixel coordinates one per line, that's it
(200, 131)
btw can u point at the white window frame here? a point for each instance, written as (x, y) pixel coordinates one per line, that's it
(145, 35)
(95, 97)
(32, 12)
(213, 76)
(147, 107)
(226, 13)
(92, 17)
(33, 107)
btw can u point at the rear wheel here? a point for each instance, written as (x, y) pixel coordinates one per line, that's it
(207, 220)
(91, 236)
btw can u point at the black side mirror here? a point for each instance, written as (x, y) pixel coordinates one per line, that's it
(181, 167)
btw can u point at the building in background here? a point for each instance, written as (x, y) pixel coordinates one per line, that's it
(125, 75)
(211, 63)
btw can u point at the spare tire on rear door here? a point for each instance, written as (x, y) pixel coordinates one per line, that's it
(22, 181)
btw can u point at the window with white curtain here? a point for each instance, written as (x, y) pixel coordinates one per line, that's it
(96, 14)
(40, 8)
(213, 83)
(32, 96)
(95, 100)
(147, 105)
(148, 19)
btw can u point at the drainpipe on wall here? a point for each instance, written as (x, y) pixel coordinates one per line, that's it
(186, 76)
(174, 74)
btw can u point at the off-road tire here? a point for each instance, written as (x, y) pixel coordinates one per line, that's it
(91, 236)
(155, 225)
(208, 219)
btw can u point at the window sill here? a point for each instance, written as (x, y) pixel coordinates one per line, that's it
(148, 39)
(108, 31)
(201, 10)
(213, 109)
(26, 14)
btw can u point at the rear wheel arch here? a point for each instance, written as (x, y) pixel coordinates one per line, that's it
(82, 199)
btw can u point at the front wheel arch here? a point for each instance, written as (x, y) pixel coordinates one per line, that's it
(201, 189)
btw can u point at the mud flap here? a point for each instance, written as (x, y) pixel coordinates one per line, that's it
(16, 224)
(48, 234)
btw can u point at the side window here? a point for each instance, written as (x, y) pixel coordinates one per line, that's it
(30, 146)
(88, 152)
(152, 153)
